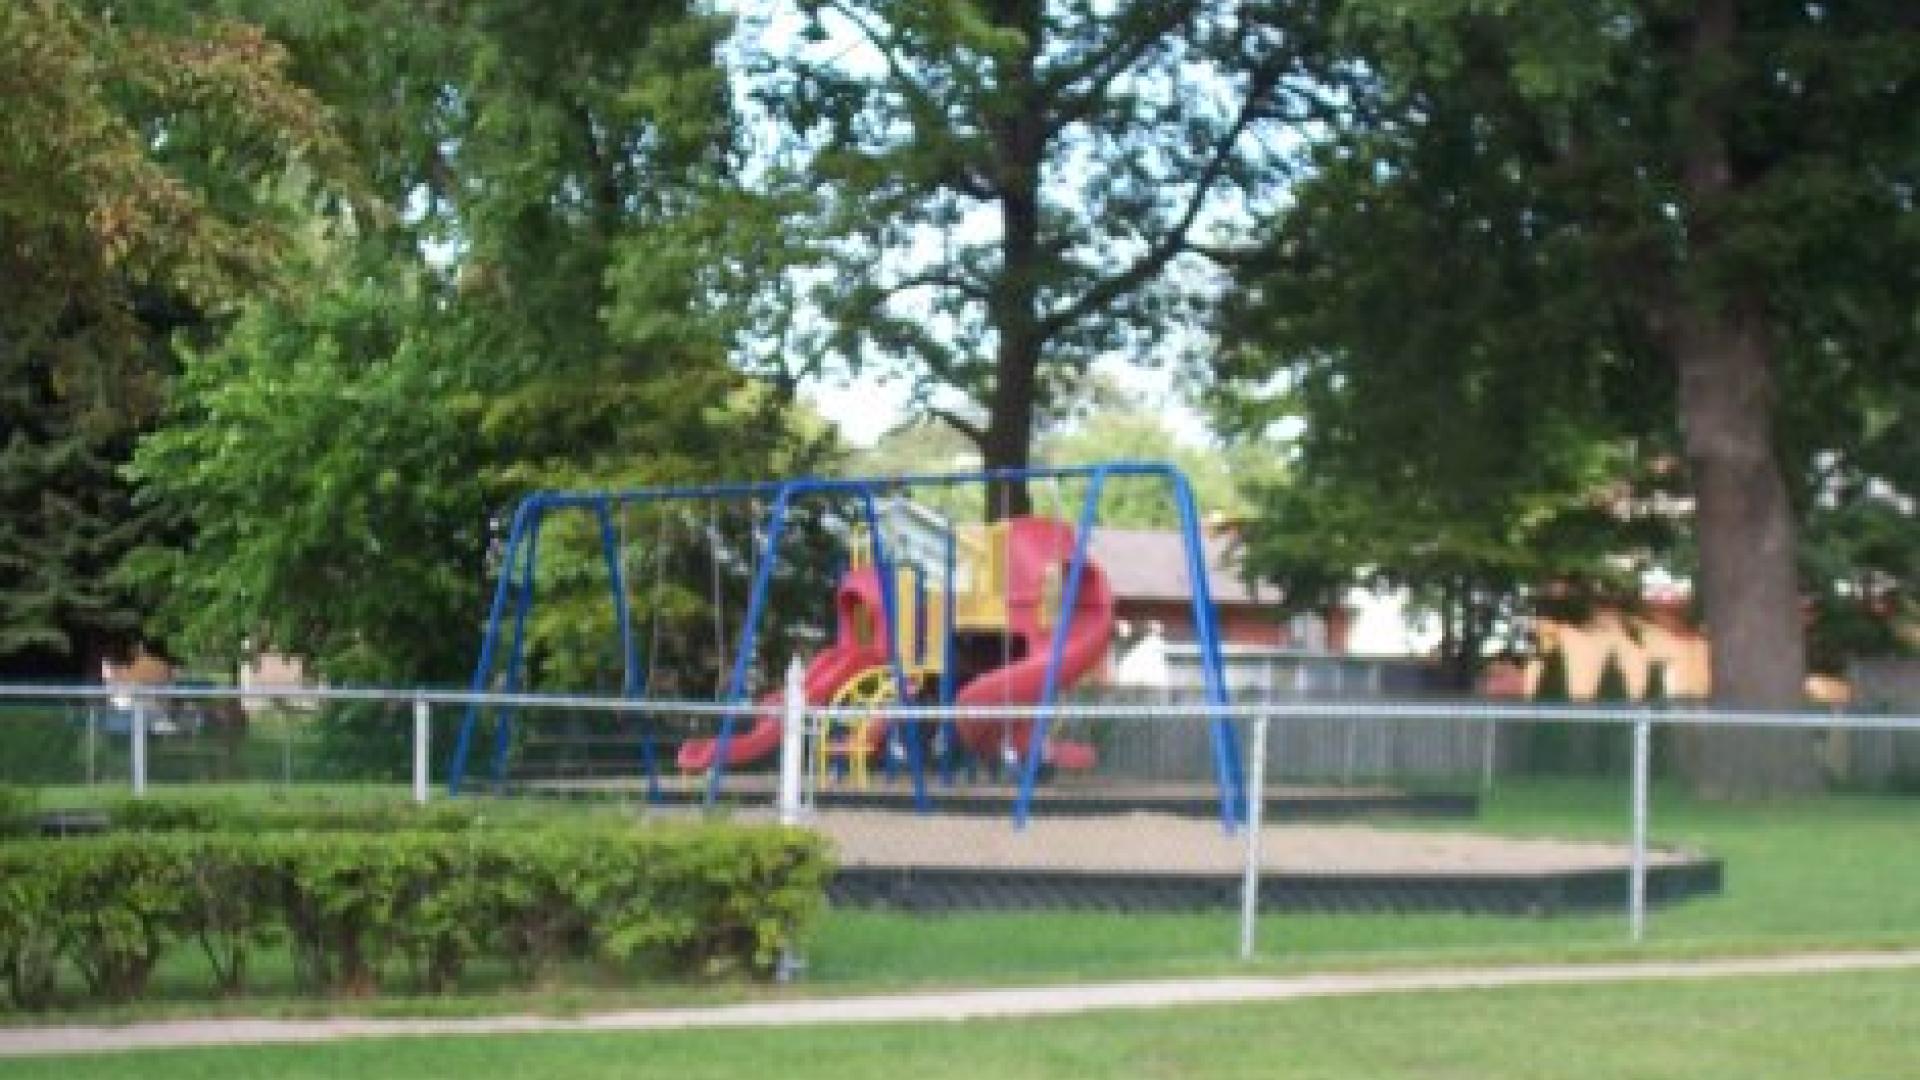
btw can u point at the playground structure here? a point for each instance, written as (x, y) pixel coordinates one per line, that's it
(980, 637)
(1006, 614)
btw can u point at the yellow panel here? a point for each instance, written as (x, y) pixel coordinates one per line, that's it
(906, 604)
(981, 551)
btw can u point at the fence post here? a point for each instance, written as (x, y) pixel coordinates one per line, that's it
(793, 765)
(793, 742)
(1489, 756)
(1256, 807)
(286, 749)
(422, 744)
(1637, 885)
(137, 742)
(93, 744)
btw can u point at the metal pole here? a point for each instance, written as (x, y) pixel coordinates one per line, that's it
(422, 736)
(137, 736)
(1489, 756)
(1637, 885)
(1256, 806)
(93, 744)
(793, 743)
(793, 758)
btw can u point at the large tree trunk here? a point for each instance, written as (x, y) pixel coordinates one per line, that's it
(1748, 583)
(1009, 435)
(1020, 138)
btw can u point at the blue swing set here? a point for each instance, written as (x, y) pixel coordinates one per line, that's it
(1062, 607)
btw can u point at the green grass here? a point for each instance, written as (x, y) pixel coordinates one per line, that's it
(1838, 871)
(1788, 1028)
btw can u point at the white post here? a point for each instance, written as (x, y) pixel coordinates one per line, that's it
(1256, 806)
(793, 743)
(137, 738)
(793, 766)
(422, 744)
(1637, 885)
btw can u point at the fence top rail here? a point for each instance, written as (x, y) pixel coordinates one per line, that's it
(1243, 709)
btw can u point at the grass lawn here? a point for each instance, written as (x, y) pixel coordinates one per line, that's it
(1790, 1028)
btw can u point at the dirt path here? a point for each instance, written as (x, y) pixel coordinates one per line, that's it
(957, 1005)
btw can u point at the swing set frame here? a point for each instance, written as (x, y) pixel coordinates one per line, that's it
(514, 596)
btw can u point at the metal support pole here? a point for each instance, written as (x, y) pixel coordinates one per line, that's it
(286, 749)
(793, 759)
(1637, 886)
(137, 735)
(93, 744)
(1489, 755)
(1256, 807)
(793, 743)
(422, 736)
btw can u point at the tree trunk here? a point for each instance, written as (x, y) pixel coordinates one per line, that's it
(1020, 137)
(1009, 438)
(1748, 582)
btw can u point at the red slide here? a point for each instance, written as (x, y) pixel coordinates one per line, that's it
(1040, 545)
(824, 676)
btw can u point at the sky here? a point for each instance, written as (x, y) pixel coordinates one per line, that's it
(866, 408)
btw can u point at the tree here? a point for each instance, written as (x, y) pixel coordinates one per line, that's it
(1700, 197)
(1104, 423)
(1014, 189)
(544, 296)
(149, 170)
(1112, 428)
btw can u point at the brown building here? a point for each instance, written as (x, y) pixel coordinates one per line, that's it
(1147, 570)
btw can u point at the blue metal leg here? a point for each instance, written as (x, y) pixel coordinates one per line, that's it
(516, 656)
(1226, 753)
(1069, 603)
(489, 642)
(890, 616)
(743, 658)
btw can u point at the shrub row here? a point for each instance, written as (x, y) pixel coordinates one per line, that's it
(355, 909)
(201, 814)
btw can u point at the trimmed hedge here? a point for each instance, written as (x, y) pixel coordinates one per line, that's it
(356, 909)
(175, 813)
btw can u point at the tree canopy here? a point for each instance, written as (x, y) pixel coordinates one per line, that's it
(149, 175)
(536, 308)
(1681, 232)
(1012, 190)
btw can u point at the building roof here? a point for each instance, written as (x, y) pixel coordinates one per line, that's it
(1151, 564)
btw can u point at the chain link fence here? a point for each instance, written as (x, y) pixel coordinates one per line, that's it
(1334, 825)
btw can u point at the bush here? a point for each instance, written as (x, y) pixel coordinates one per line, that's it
(705, 899)
(29, 933)
(177, 813)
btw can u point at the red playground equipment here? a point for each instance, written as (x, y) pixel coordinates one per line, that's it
(986, 636)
